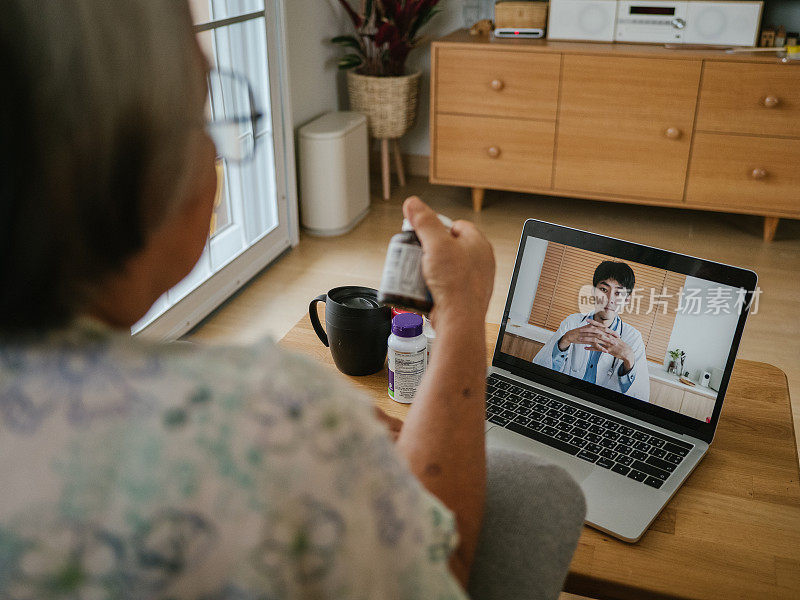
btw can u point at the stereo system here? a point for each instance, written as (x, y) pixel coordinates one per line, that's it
(656, 21)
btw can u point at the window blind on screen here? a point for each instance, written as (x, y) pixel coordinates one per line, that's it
(651, 308)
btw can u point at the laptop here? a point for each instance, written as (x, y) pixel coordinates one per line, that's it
(612, 361)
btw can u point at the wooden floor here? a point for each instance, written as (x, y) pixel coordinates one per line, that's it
(279, 296)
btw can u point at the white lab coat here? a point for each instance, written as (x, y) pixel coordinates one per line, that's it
(578, 356)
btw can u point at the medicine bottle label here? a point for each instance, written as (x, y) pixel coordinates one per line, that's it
(405, 373)
(402, 272)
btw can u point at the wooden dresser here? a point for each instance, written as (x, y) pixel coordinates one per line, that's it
(643, 124)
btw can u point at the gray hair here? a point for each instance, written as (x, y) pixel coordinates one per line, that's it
(96, 124)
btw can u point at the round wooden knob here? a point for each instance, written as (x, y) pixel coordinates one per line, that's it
(493, 151)
(673, 133)
(758, 173)
(497, 84)
(771, 101)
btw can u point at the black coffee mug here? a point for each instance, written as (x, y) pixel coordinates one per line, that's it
(358, 328)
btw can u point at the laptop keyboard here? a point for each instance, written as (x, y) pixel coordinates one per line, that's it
(640, 454)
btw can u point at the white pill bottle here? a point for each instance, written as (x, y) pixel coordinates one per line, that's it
(408, 357)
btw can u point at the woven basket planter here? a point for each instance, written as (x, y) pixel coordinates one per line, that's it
(390, 103)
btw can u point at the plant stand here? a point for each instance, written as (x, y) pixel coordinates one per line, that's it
(386, 169)
(390, 104)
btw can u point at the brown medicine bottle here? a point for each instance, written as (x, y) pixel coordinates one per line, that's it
(402, 283)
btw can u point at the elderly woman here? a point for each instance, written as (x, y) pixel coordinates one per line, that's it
(136, 470)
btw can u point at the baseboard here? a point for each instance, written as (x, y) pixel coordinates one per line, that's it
(414, 164)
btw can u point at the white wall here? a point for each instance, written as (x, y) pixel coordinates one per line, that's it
(416, 141)
(316, 84)
(527, 280)
(313, 75)
(706, 338)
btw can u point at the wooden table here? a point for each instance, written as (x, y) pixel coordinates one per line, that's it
(732, 530)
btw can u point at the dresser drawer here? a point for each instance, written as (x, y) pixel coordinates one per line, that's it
(750, 98)
(751, 174)
(493, 152)
(503, 84)
(625, 126)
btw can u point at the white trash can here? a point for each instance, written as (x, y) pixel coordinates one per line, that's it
(334, 173)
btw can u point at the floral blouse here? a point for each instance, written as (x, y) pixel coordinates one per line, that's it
(139, 470)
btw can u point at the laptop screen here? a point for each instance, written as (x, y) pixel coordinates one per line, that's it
(602, 322)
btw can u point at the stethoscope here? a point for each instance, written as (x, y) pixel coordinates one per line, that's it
(613, 362)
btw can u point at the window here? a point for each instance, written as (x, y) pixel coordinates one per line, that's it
(254, 220)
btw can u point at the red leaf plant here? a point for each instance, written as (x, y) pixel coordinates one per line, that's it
(385, 32)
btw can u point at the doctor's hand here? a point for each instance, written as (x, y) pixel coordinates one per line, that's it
(602, 339)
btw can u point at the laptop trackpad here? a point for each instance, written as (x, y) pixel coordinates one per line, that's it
(497, 437)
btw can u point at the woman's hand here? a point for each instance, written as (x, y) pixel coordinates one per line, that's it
(458, 265)
(393, 425)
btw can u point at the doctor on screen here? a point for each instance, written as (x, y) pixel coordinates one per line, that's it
(597, 346)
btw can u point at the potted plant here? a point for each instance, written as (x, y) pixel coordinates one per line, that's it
(675, 356)
(385, 32)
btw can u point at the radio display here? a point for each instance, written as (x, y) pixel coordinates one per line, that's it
(653, 10)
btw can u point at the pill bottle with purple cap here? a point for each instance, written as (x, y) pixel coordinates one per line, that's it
(407, 357)
(402, 283)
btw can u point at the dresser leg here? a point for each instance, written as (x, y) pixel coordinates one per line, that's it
(477, 198)
(770, 225)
